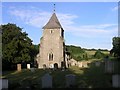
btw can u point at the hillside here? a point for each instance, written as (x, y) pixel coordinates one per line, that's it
(79, 53)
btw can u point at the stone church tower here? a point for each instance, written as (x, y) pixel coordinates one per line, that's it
(52, 46)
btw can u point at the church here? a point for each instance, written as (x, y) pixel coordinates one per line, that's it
(52, 52)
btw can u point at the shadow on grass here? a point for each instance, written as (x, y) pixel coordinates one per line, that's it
(91, 77)
(94, 77)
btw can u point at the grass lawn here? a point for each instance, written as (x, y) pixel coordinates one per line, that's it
(91, 77)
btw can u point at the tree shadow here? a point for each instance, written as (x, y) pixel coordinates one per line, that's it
(94, 77)
(91, 77)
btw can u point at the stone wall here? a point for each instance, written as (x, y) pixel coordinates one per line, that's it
(51, 42)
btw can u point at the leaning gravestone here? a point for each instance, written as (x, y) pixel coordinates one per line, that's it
(19, 67)
(109, 66)
(3, 84)
(28, 66)
(116, 81)
(70, 80)
(47, 81)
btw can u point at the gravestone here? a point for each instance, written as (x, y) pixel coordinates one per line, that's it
(47, 81)
(116, 67)
(26, 83)
(70, 80)
(0, 84)
(28, 66)
(3, 84)
(97, 64)
(85, 65)
(79, 64)
(32, 69)
(116, 81)
(109, 66)
(19, 67)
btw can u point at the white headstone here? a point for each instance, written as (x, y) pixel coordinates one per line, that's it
(47, 81)
(19, 67)
(79, 64)
(3, 84)
(28, 66)
(70, 80)
(116, 81)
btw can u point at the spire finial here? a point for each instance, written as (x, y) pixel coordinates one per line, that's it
(54, 7)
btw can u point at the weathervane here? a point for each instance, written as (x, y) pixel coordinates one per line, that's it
(54, 7)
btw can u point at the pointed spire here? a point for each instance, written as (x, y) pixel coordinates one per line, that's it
(53, 22)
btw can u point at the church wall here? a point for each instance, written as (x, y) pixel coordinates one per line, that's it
(51, 42)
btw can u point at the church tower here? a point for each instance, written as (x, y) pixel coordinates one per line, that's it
(52, 46)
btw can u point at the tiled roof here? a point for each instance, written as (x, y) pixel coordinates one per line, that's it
(53, 23)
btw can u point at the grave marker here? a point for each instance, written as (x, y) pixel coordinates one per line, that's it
(116, 81)
(19, 67)
(97, 64)
(70, 80)
(47, 81)
(28, 66)
(79, 64)
(109, 66)
(3, 84)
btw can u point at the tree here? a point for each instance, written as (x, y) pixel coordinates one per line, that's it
(76, 52)
(116, 47)
(98, 54)
(17, 47)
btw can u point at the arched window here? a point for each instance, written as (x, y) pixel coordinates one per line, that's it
(50, 56)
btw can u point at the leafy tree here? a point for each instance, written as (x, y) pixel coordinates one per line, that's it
(116, 47)
(17, 47)
(76, 52)
(98, 54)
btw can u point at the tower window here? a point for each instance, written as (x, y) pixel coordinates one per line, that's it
(50, 56)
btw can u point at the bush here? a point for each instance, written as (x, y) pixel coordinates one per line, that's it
(98, 54)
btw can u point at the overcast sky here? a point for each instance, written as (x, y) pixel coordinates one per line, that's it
(86, 24)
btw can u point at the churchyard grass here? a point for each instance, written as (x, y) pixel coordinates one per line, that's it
(91, 77)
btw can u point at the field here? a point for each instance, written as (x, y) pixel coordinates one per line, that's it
(91, 77)
(93, 52)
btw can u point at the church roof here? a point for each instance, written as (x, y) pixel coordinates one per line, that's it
(53, 23)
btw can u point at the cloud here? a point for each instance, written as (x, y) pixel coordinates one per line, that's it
(38, 18)
(93, 31)
(116, 8)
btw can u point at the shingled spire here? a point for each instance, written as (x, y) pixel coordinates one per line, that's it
(53, 23)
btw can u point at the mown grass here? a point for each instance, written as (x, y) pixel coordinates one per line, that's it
(91, 77)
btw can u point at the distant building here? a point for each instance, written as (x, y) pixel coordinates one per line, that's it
(52, 46)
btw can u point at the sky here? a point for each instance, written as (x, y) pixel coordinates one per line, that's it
(86, 24)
